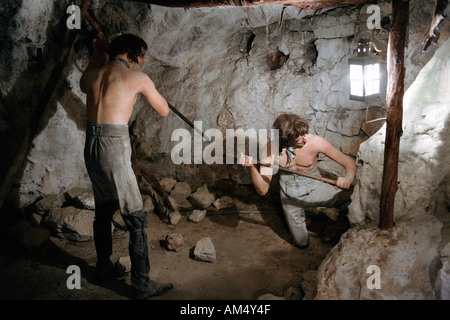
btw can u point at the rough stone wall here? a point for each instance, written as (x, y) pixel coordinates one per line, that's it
(204, 63)
(412, 255)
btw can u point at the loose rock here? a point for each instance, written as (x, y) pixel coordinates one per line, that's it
(174, 217)
(71, 223)
(197, 215)
(223, 202)
(85, 201)
(168, 184)
(181, 190)
(49, 202)
(148, 203)
(204, 250)
(174, 241)
(202, 197)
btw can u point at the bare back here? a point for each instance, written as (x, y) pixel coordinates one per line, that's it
(112, 91)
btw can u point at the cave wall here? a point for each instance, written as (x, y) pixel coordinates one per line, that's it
(202, 61)
(413, 256)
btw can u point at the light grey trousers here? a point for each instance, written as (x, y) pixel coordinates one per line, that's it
(107, 156)
(298, 193)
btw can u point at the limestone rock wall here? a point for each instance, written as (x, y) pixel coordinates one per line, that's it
(410, 257)
(424, 151)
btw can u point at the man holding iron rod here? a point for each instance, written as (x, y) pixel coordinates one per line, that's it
(298, 152)
(111, 91)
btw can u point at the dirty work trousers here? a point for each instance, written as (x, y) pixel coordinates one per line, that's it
(298, 193)
(107, 156)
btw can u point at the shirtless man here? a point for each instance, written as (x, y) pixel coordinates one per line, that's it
(299, 152)
(111, 91)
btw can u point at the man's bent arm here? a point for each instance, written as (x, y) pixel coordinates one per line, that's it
(153, 97)
(347, 162)
(261, 182)
(260, 179)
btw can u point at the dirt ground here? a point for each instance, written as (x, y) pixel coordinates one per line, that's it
(254, 257)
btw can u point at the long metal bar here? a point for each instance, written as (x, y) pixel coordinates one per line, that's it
(178, 113)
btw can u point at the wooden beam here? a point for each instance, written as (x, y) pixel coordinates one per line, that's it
(305, 4)
(394, 96)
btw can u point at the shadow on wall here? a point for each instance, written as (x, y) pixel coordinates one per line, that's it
(24, 97)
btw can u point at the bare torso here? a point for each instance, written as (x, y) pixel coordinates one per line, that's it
(111, 94)
(305, 157)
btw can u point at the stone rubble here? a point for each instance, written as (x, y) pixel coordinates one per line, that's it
(174, 241)
(223, 202)
(71, 223)
(197, 215)
(168, 184)
(174, 217)
(202, 197)
(204, 250)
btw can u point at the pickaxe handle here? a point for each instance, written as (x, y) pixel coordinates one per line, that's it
(311, 176)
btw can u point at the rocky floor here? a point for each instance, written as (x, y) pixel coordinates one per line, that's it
(253, 258)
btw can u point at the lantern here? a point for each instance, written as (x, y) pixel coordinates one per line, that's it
(364, 73)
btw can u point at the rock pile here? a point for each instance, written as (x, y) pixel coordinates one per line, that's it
(70, 215)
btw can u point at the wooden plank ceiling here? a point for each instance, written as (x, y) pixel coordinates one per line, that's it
(304, 4)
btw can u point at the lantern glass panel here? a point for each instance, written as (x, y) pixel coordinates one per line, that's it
(356, 80)
(372, 79)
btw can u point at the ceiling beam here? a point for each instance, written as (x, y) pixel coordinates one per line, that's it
(305, 4)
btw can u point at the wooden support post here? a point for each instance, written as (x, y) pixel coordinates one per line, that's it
(394, 95)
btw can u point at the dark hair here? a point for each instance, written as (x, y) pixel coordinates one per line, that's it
(127, 43)
(290, 127)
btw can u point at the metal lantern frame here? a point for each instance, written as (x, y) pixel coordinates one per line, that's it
(370, 74)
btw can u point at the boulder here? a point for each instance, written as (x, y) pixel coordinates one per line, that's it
(402, 255)
(71, 223)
